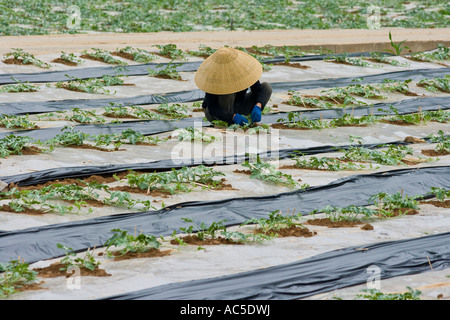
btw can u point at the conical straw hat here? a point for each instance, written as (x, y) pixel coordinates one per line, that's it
(227, 71)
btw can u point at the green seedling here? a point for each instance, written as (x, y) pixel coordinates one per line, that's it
(436, 84)
(202, 230)
(442, 140)
(93, 85)
(103, 55)
(123, 199)
(390, 85)
(12, 144)
(19, 87)
(440, 54)
(440, 193)
(38, 201)
(169, 72)
(193, 134)
(17, 122)
(388, 203)
(345, 59)
(349, 213)
(266, 171)
(171, 51)
(184, 179)
(203, 51)
(70, 57)
(71, 260)
(364, 90)
(381, 58)
(295, 120)
(15, 275)
(324, 163)
(26, 58)
(68, 137)
(138, 55)
(343, 96)
(274, 222)
(174, 111)
(392, 156)
(84, 116)
(131, 243)
(375, 294)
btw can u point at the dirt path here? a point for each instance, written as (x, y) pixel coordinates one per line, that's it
(338, 40)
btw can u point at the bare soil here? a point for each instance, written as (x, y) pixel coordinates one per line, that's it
(326, 222)
(411, 139)
(65, 62)
(194, 240)
(53, 271)
(151, 253)
(434, 153)
(292, 64)
(123, 55)
(437, 203)
(29, 211)
(87, 146)
(15, 61)
(293, 231)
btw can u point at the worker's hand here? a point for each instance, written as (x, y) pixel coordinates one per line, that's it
(240, 120)
(256, 114)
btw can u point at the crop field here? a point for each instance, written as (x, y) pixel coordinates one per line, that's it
(114, 185)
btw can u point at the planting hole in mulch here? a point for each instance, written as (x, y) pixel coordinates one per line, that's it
(163, 193)
(15, 61)
(123, 55)
(434, 153)
(29, 151)
(437, 203)
(194, 240)
(292, 64)
(30, 287)
(29, 211)
(292, 231)
(326, 222)
(151, 253)
(411, 139)
(65, 62)
(53, 271)
(400, 212)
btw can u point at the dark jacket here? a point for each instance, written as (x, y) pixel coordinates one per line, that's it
(211, 102)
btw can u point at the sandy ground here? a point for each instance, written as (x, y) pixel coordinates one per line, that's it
(338, 40)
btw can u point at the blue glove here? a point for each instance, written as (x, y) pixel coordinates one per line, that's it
(256, 114)
(240, 120)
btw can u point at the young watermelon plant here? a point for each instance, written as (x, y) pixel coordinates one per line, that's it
(22, 57)
(17, 122)
(15, 275)
(184, 179)
(130, 243)
(135, 54)
(266, 171)
(12, 144)
(19, 87)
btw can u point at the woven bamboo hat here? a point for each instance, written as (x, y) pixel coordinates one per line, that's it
(227, 71)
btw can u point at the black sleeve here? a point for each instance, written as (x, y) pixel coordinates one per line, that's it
(211, 102)
(257, 88)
